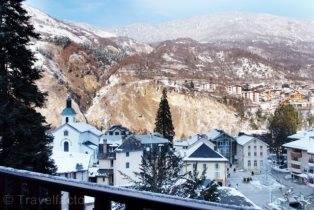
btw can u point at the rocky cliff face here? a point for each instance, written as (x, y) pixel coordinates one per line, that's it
(118, 80)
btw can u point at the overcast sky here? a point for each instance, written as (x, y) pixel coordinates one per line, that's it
(113, 13)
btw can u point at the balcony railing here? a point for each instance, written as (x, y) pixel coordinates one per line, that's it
(110, 155)
(28, 190)
(296, 154)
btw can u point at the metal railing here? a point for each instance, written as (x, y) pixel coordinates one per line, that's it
(25, 190)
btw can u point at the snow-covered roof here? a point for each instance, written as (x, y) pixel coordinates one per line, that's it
(70, 161)
(306, 144)
(213, 134)
(244, 139)
(84, 127)
(190, 141)
(303, 134)
(202, 151)
(151, 139)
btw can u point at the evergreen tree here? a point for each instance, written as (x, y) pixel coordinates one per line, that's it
(23, 131)
(195, 186)
(284, 123)
(163, 124)
(159, 170)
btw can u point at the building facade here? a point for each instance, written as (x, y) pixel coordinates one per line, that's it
(251, 153)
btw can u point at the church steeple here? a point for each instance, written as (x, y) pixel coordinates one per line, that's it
(68, 114)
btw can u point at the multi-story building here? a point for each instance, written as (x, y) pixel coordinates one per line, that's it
(224, 143)
(300, 156)
(120, 158)
(202, 157)
(251, 153)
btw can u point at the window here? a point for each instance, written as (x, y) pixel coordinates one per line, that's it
(217, 175)
(217, 165)
(255, 147)
(123, 133)
(261, 163)
(194, 166)
(111, 163)
(255, 153)
(127, 154)
(261, 153)
(65, 133)
(101, 148)
(255, 162)
(261, 147)
(117, 133)
(249, 147)
(66, 146)
(249, 154)
(127, 165)
(66, 119)
(74, 175)
(249, 163)
(110, 133)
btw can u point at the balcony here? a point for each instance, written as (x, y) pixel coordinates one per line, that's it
(311, 162)
(28, 190)
(104, 156)
(296, 154)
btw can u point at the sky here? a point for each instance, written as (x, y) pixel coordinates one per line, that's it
(116, 13)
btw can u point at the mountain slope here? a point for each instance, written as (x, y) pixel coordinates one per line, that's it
(105, 77)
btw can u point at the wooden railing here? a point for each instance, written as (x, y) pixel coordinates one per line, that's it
(28, 190)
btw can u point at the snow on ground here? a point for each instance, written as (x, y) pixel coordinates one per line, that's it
(232, 196)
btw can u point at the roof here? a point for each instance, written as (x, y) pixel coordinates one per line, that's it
(191, 140)
(130, 144)
(70, 161)
(244, 139)
(214, 134)
(118, 127)
(303, 134)
(68, 111)
(151, 139)
(306, 144)
(202, 152)
(84, 127)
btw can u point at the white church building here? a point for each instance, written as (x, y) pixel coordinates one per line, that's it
(74, 138)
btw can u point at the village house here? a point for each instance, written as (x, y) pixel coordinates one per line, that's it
(251, 153)
(202, 157)
(121, 157)
(300, 156)
(129, 156)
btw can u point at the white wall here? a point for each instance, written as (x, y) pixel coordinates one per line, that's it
(218, 174)
(134, 160)
(72, 138)
(260, 158)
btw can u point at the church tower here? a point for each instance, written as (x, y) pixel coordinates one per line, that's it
(68, 114)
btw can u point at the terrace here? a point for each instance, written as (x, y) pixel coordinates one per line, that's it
(28, 190)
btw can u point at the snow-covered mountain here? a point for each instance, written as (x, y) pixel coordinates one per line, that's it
(48, 26)
(230, 26)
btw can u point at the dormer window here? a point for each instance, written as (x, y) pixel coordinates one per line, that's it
(65, 133)
(117, 133)
(110, 133)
